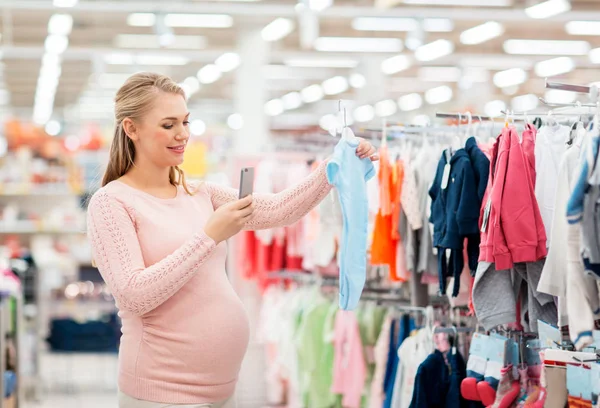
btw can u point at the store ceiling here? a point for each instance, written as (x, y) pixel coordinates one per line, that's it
(101, 30)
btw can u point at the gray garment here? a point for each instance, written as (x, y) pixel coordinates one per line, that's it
(125, 401)
(493, 296)
(590, 226)
(539, 306)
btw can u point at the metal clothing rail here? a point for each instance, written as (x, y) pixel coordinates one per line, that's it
(591, 91)
(453, 330)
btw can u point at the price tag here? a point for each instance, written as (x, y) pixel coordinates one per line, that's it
(486, 214)
(446, 176)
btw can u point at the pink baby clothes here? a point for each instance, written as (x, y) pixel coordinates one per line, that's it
(185, 331)
(349, 367)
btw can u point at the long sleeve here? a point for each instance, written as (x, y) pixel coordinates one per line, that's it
(281, 209)
(116, 250)
(467, 214)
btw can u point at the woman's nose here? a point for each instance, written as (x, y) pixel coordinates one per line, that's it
(181, 136)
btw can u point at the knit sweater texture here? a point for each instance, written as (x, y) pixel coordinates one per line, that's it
(185, 331)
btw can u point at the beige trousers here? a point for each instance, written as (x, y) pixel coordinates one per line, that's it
(125, 401)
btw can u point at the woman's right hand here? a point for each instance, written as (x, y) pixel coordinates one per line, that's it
(229, 219)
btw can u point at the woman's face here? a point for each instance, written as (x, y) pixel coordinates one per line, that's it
(161, 135)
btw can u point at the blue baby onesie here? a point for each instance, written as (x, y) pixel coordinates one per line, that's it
(349, 174)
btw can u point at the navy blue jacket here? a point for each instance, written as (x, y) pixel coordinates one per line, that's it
(455, 209)
(481, 167)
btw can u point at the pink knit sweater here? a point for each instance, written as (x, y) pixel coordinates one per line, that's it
(185, 331)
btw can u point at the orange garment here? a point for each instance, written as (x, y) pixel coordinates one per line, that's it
(383, 247)
(397, 182)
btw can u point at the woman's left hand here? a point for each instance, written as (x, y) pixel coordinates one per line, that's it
(366, 149)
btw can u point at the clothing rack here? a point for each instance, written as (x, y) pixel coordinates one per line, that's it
(591, 91)
(453, 330)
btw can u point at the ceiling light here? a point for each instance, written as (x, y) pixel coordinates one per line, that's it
(312, 93)
(478, 3)
(192, 83)
(439, 74)
(402, 24)
(228, 61)
(328, 122)
(558, 96)
(583, 27)
(335, 85)
(161, 60)
(496, 62)
(546, 47)
(197, 127)
(235, 121)
(321, 63)
(476, 74)
(364, 113)
(53, 128)
(548, 8)
(395, 64)
(119, 59)
(145, 41)
(438, 95)
(209, 73)
(277, 29)
(385, 108)
(410, 102)
(494, 108)
(65, 3)
(56, 44)
(274, 107)
(510, 77)
(291, 101)
(434, 50)
(199, 20)
(482, 33)
(319, 5)
(141, 19)
(60, 24)
(594, 56)
(357, 44)
(554, 66)
(421, 120)
(112, 81)
(524, 103)
(357, 80)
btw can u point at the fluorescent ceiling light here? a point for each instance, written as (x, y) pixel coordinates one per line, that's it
(274, 107)
(60, 24)
(56, 44)
(434, 50)
(478, 3)
(554, 66)
(277, 29)
(65, 3)
(364, 113)
(312, 93)
(228, 62)
(482, 33)
(319, 5)
(525, 102)
(53, 128)
(357, 80)
(439, 74)
(496, 62)
(199, 20)
(494, 108)
(546, 47)
(558, 96)
(335, 85)
(209, 73)
(292, 100)
(385, 108)
(357, 44)
(328, 122)
(548, 8)
(395, 64)
(510, 77)
(141, 19)
(149, 41)
(160, 60)
(410, 102)
(192, 83)
(594, 56)
(235, 121)
(197, 127)
(476, 74)
(321, 63)
(438, 95)
(119, 59)
(112, 81)
(402, 24)
(583, 27)
(421, 120)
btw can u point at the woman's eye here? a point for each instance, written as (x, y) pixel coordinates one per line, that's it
(186, 123)
(168, 126)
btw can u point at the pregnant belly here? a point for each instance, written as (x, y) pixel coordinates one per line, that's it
(200, 339)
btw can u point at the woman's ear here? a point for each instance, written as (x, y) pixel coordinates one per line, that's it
(130, 129)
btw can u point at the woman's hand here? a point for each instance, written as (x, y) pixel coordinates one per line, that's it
(366, 149)
(229, 219)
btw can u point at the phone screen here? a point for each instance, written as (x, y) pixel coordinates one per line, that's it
(246, 182)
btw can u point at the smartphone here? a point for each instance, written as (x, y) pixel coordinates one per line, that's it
(246, 182)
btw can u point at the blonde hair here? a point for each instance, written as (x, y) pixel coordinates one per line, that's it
(133, 100)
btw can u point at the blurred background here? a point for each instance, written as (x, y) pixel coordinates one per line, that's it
(261, 76)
